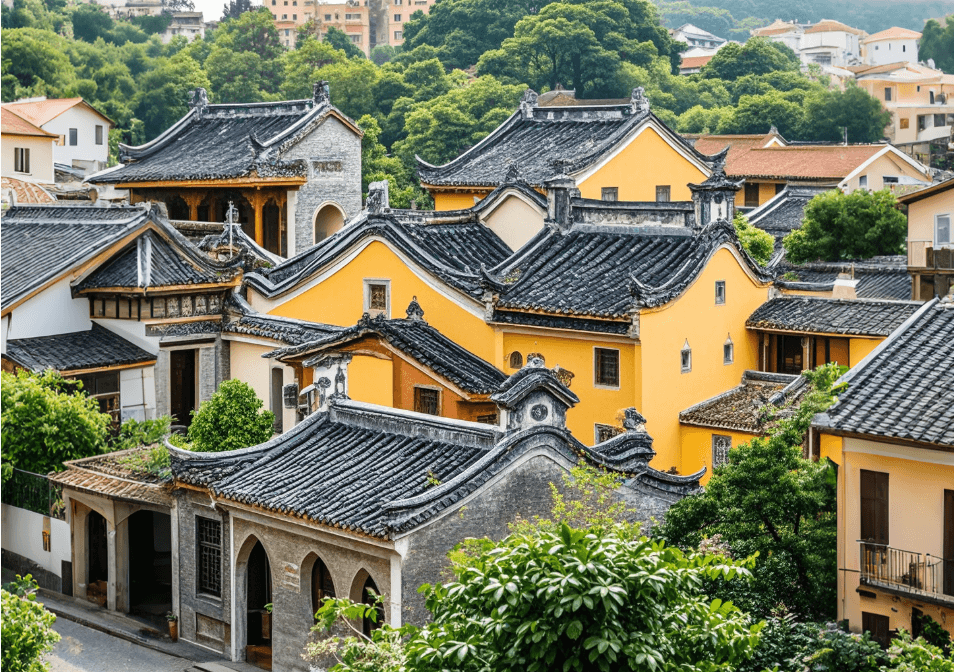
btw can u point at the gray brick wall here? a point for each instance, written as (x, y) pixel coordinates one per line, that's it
(330, 142)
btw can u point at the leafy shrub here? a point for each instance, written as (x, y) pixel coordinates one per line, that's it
(233, 418)
(839, 651)
(907, 655)
(754, 240)
(27, 629)
(46, 420)
(783, 644)
(134, 433)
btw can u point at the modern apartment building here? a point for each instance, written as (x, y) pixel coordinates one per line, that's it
(352, 18)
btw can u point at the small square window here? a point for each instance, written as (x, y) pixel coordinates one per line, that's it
(663, 194)
(720, 292)
(605, 432)
(377, 298)
(610, 194)
(74, 140)
(685, 358)
(721, 444)
(21, 159)
(427, 400)
(606, 363)
(397, 18)
(863, 182)
(905, 122)
(887, 94)
(398, 34)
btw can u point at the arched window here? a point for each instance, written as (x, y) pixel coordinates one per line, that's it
(516, 360)
(321, 584)
(686, 358)
(328, 221)
(367, 598)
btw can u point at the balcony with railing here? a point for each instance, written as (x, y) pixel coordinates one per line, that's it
(893, 570)
(924, 254)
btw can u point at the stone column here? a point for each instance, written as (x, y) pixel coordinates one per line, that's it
(291, 203)
(111, 563)
(193, 199)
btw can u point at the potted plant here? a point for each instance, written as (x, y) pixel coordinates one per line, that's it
(173, 626)
(267, 622)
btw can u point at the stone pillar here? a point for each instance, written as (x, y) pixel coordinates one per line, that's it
(162, 383)
(208, 380)
(291, 207)
(193, 199)
(111, 563)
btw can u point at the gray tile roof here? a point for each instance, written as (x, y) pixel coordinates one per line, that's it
(97, 348)
(743, 408)
(577, 135)
(784, 212)
(857, 317)
(611, 270)
(41, 243)
(419, 341)
(878, 277)
(903, 389)
(164, 262)
(220, 142)
(453, 252)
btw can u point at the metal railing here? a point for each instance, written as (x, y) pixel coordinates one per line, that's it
(34, 492)
(918, 573)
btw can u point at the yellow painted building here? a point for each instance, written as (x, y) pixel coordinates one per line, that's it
(613, 150)
(643, 314)
(930, 239)
(891, 433)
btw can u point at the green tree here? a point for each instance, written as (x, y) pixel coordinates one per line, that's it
(755, 114)
(233, 418)
(90, 21)
(937, 43)
(164, 96)
(768, 499)
(376, 166)
(383, 53)
(34, 63)
(28, 633)
(754, 240)
(828, 113)
(253, 32)
(302, 65)
(233, 9)
(235, 76)
(338, 39)
(46, 420)
(757, 56)
(859, 225)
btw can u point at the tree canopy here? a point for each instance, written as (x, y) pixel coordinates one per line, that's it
(233, 418)
(937, 43)
(837, 226)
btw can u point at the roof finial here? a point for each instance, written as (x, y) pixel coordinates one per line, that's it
(414, 311)
(773, 130)
(638, 102)
(633, 421)
(527, 103)
(199, 100)
(378, 201)
(321, 92)
(513, 172)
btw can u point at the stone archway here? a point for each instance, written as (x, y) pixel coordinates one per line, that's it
(319, 580)
(252, 630)
(329, 219)
(361, 591)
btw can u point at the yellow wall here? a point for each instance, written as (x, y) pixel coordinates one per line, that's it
(246, 364)
(647, 162)
(921, 216)
(575, 354)
(695, 317)
(455, 201)
(339, 299)
(41, 157)
(766, 192)
(886, 165)
(370, 380)
(861, 348)
(697, 445)
(917, 478)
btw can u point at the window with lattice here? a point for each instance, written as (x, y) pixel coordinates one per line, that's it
(607, 367)
(606, 432)
(377, 298)
(427, 400)
(209, 547)
(721, 445)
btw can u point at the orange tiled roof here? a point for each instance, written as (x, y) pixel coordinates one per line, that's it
(778, 27)
(695, 61)
(825, 162)
(737, 144)
(13, 124)
(26, 193)
(828, 25)
(39, 112)
(893, 33)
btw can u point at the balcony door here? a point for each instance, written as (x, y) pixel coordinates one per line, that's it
(948, 542)
(874, 507)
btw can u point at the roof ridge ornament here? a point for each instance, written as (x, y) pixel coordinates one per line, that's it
(638, 102)
(513, 173)
(528, 102)
(379, 201)
(321, 92)
(633, 421)
(199, 100)
(414, 311)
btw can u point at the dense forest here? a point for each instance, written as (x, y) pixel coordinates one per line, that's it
(459, 75)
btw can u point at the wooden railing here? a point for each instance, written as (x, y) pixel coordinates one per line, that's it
(917, 252)
(906, 571)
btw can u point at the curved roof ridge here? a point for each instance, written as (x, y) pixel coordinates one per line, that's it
(485, 140)
(148, 148)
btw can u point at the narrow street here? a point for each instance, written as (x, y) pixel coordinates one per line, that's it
(83, 649)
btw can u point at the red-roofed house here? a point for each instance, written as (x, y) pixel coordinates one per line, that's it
(831, 43)
(692, 64)
(767, 164)
(82, 131)
(891, 46)
(27, 149)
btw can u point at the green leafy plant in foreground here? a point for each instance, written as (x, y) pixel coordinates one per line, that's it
(27, 633)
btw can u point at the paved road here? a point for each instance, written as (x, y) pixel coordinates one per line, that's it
(83, 649)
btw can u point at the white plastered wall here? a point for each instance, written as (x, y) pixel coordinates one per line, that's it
(52, 311)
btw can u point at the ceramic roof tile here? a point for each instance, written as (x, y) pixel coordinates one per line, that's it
(14, 124)
(40, 243)
(221, 142)
(43, 110)
(878, 278)
(97, 348)
(117, 476)
(857, 317)
(743, 408)
(893, 33)
(903, 390)
(26, 193)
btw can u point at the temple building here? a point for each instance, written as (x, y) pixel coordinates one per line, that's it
(291, 168)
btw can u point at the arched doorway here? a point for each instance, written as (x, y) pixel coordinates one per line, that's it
(321, 584)
(367, 624)
(150, 564)
(258, 599)
(97, 558)
(328, 221)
